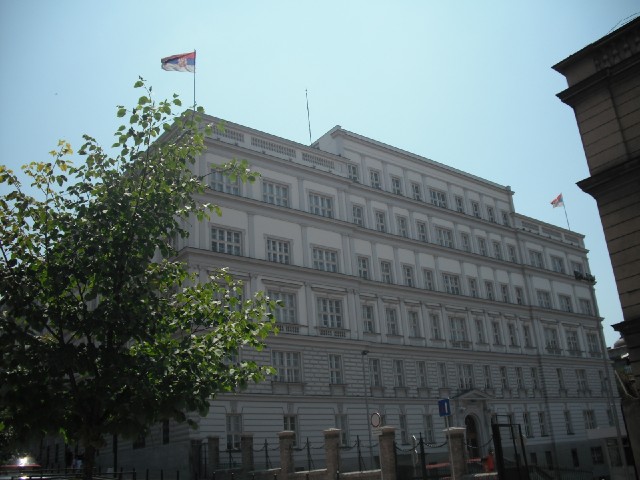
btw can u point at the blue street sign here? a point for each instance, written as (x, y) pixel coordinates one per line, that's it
(444, 407)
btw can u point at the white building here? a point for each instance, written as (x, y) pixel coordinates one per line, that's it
(405, 281)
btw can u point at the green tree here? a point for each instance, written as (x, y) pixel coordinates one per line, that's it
(101, 331)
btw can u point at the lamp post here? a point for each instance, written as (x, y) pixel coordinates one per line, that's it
(366, 405)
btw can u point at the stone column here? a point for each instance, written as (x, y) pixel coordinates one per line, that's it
(332, 451)
(286, 440)
(387, 453)
(246, 445)
(213, 446)
(455, 437)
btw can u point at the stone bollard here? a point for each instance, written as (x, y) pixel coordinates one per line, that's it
(455, 437)
(387, 453)
(286, 440)
(332, 451)
(246, 445)
(213, 447)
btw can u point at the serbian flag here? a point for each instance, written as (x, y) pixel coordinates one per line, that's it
(558, 201)
(184, 62)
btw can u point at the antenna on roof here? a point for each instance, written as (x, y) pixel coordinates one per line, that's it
(308, 117)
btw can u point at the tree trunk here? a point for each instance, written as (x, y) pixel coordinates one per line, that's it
(89, 461)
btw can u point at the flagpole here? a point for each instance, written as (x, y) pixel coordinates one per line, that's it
(565, 214)
(194, 79)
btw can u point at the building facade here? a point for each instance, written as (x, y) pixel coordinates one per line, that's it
(604, 91)
(403, 281)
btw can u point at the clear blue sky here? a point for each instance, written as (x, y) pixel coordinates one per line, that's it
(466, 83)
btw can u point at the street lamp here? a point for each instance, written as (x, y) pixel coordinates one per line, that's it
(366, 404)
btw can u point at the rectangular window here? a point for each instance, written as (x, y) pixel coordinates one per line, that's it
(278, 251)
(396, 185)
(444, 237)
(557, 264)
(374, 178)
(565, 303)
(353, 172)
(473, 287)
(585, 306)
(511, 252)
(428, 429)
(458, 327)
(597, 456)
(404, 435)
(581, 377)
(573, 344)
(535, 381)
(290, 424)
(234, 430)
(363, 268)
(526, 333)
(416, 191)
(593, 344)
(536, 258)
(414, 324)
(488, 286)
(386, 274)
(321, 205)
(577, 268)
(589, 419)
(465, 241)
(487, 377)
(368, 319)
(451, 283)
(329, 312)
(519, 378)
(497, 250)
(358, 215)
(436, 328)
(438, 198)
(544, 298)
(442, 375)
(422, 231)
(526, 420)
(226, 241)
(287, 365)
(542, 424)
(505, 218)
(391, 315)
(165, 433)
(342, 423)
(459, 203)
(513, 335)
(421, 371)
(481, 335)
(475, 209)
(519, 295)
(408, 276)
(287, 312)
(381, 221)
(428, 279)
(324, 259)
(275, 193)
(220, 182)
(401, 225)
(504, 293)
(497, 333)
(504, 378)
(491, 214)
(465, 376)
(560, 376)
(335, 369)
(398, 373)
(375, 372)
(482, 247)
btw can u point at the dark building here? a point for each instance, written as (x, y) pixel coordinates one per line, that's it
(604, 91)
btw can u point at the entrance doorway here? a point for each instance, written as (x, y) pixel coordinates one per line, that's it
(472, 436)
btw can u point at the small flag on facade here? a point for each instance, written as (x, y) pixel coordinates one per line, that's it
(184, 62)
(558, 201)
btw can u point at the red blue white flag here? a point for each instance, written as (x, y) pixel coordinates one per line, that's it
(558, 201)
(184, 62)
